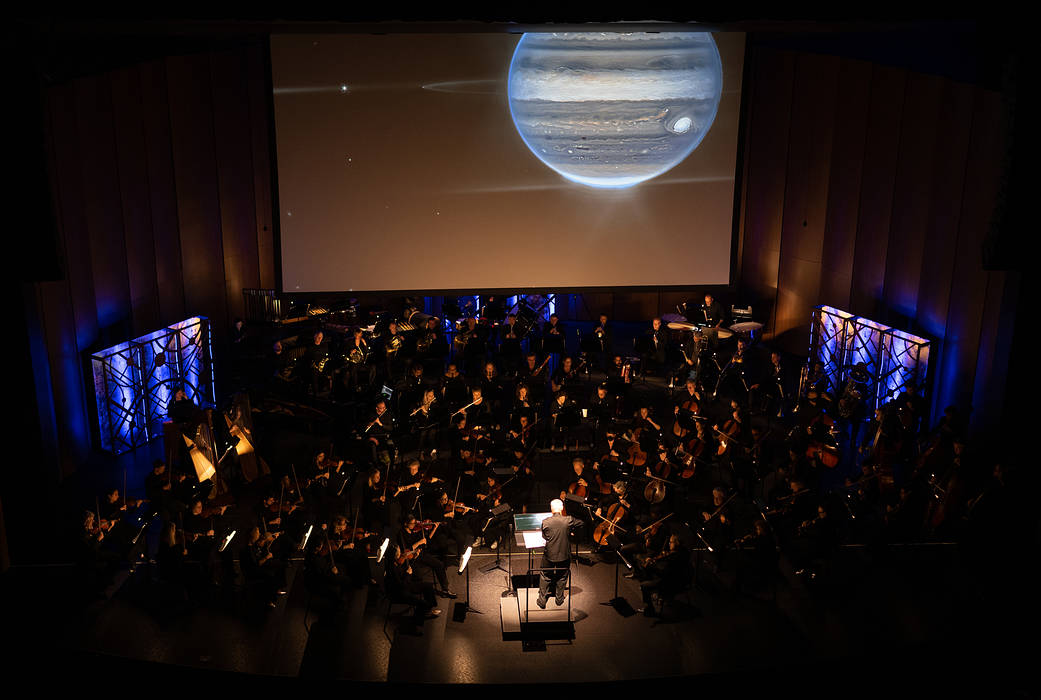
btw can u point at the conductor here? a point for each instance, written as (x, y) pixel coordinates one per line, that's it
(556, 557)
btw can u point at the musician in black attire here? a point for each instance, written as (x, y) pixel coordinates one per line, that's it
(554, 339)
(403, 586)
(710, 314)
(358, 373)
(509, 347)
(380, 428)
(533, 374)
(453, 388)
(258, 564)
(412, 538)
(656, 353)
(317, 358)
(563, 421)
(556, 557)
(425, 418)
(602, 408)
(604, 339)
(669, 574)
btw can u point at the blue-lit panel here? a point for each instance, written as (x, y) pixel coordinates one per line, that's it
(134, 382)
(122, 423)
(905, 364)
(894, 360)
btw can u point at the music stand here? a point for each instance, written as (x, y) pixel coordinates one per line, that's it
(500, 513)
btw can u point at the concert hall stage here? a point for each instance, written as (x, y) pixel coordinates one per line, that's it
(885, 620)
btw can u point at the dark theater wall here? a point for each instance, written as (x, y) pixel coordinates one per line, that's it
(871, 188)
(162, 191)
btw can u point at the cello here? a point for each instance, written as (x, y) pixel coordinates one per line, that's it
(615, 513)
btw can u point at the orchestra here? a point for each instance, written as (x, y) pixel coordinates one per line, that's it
(692, 442)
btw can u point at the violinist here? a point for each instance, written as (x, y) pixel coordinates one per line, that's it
(816, 541)
(519, 487)
(488, 496)
(757, 556)
(412, 540)
(323, 569)
(349, 550)
(95, 563)
(160, 489)
(200, 529)
(260, 564)
(171, 555)
(374, 500)
(456, 529)
(404, 586)
(524, 434)
(668, 573)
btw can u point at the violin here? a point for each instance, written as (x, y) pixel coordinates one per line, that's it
(653, 527)
(453, 507)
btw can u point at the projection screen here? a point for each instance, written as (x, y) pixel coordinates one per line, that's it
(505, 162)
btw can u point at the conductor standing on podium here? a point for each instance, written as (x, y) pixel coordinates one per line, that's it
(557, 554)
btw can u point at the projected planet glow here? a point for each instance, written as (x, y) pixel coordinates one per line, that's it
(612, 110)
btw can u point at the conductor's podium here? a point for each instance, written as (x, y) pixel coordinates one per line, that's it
(519, 611)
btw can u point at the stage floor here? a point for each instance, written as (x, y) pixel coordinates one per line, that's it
(890, 612)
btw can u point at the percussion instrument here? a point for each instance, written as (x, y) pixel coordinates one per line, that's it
(750, 329)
